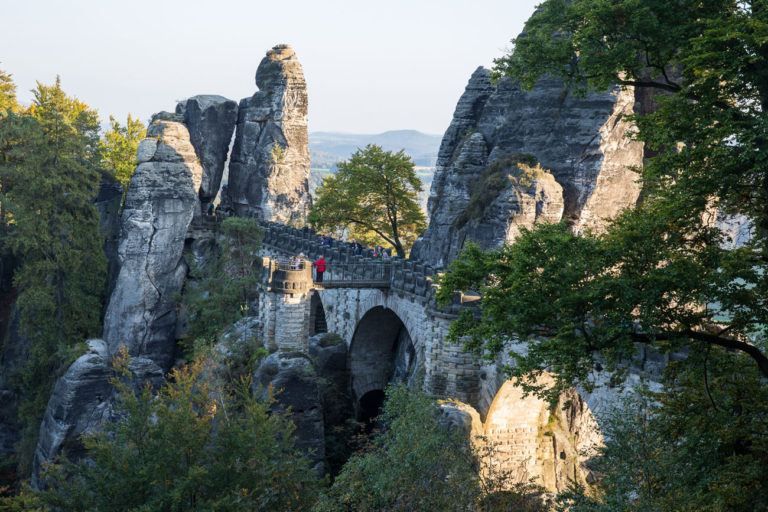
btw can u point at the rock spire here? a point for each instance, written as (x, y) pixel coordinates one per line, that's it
(269, 166)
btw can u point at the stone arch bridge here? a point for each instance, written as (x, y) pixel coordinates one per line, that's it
(386, 314)
(384, 311)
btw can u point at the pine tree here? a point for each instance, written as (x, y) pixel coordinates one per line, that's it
(49, 177)
(7, 92)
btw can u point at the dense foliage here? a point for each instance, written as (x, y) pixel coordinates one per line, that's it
(419, 464)
(118, 148)
(49, 177)
(664, 274)
(220, 292)
(374, 197)
(7, 93)
(701, 447)
(192, 445)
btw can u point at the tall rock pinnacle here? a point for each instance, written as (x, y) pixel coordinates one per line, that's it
(161, 202)
(269, 166)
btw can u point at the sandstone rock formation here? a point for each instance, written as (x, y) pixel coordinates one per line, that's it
(210, 120)
(292, 378)
(180, 167)
(81, 401)
(161, 201)
(269, 165)
(581, 141)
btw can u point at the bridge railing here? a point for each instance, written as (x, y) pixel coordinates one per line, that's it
(364, 273)
(353, 266)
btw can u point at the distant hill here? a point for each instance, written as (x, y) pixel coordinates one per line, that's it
(327, 148)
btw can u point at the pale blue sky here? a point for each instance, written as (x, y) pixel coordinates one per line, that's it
(370, 66)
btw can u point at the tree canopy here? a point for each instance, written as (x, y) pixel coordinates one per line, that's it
(374, 197)
(118, 147)
(49, 177)
(193, 445)
(663, 274)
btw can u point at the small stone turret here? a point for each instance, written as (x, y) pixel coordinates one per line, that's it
(269, 166)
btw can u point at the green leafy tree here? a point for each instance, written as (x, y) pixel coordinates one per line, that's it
(221, 292)
(7, 92)
(374, 197)
(49, 177)
(191, 446)
(662, 275)
(418, 464)
(118, 148)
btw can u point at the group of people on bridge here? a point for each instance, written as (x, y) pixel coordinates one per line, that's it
(320, 265)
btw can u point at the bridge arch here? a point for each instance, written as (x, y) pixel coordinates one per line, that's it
(318, 322)
(381, 351)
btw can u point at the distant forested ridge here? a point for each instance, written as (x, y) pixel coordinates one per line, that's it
(328, 148)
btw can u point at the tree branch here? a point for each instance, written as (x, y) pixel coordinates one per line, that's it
(651, 84)
(375, 230)
(712, 339)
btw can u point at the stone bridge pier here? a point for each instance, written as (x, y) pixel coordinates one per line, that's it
(284, 307)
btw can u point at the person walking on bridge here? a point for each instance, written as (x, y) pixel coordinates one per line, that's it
(320, 267)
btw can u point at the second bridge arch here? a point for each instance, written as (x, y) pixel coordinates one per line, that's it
(381, 351)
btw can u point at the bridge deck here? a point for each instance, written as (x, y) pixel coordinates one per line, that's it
(344, 283)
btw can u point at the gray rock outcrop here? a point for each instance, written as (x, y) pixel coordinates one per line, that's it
(292, 378)
(161, 202)
(210, 120)
(580, 141)
(81, 401)
(269, 165)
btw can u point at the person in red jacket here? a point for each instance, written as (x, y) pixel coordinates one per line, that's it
(319, 265)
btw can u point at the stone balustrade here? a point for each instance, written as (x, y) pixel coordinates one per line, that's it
(415, 279)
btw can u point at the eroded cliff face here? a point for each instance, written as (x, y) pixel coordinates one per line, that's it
(269, 166)
(180, 168)
(162, 199)
(161, 202)
(589, 165)
(211, 121)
